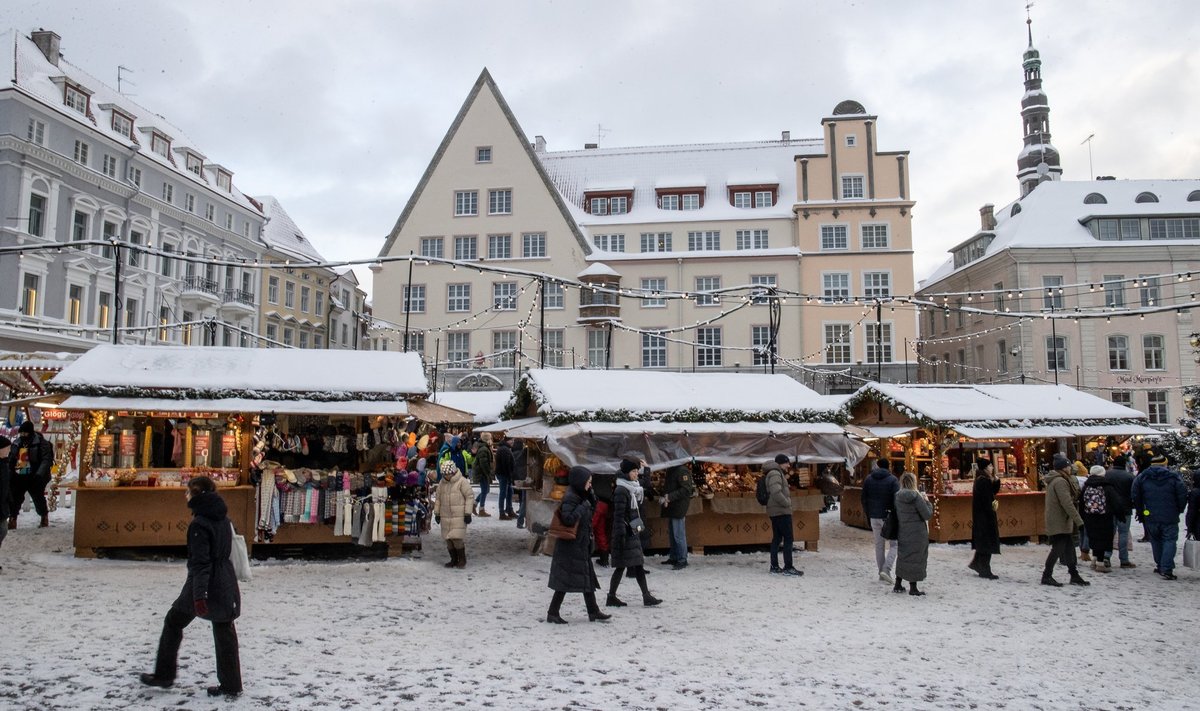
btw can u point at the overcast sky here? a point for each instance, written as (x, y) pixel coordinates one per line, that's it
(337, 107)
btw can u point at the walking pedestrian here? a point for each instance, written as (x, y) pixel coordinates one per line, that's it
(1062, 520)
(452, 510)
(625, 537)
(484, 468)
(5, 488)
(1191, 520)
(913, 512)
(571, 568)
(210, 592)
(878, 496)
(1081, 475)
(985, 525)
(1122, 480)
(30, 460)
(520, 479)
(1102, 505)
(504, 475)
(675, 503)
(779, 510)
(1159, 493)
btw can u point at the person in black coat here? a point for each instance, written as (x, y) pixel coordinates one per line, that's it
(5, 487)
(1191, 520)
(571, 567)
(1122, 479)
(30, 460)
(878, 495)
(1099, 492)
(210, 592)
(625, 541)
(504, 475)
(985, 527)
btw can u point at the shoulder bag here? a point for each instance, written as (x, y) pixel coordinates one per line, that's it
(239, 556)
(891, 526)
(560, 530)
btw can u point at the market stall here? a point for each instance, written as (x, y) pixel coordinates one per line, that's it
(937, 431)
(301, 443)
(723, 426)
(23, 378)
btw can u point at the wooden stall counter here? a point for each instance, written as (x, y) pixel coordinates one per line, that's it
(738, 520)
(850, 506)
(145, 516)
(1021, 515)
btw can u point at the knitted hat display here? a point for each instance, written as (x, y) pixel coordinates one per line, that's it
(449, 468)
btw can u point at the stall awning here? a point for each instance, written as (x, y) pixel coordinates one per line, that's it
(1003, 433)
(229, 405)
(433, 412)
(883, 431)
(1123, 430)
(510, 427)
(685, 428)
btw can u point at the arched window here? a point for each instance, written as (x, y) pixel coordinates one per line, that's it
(1146, 197)
(1016, 210)
(1194, 196)
(1095, 199)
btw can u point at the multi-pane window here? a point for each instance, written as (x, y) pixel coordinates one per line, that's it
(500, 202)
(656, 241)
(707, 284)
(166, 265)
(108, 166)
(1122, 397)
(1175, 228)
(504, 348)
(552, 296)
(248, 290)
(708, 347)
(289, 295)
(998, 296)
(879, 351)
(36, 132)
(504, 295)
(75, 99)
(751, 239)
(1149, 290)
(499, 246)
(852, 187)
(81, 152)
(691, 201)
(273, 289)
(189, 202)
(877, 285)
(597, 348)
(598, 206)
(458, 297)
(1156, 407)
(1002, 355)
(465, 247)
(533, 245)
(764, 198)
(135, 176)
(224, 181)
(1056, 353)
(79, 226)
(164, 317)
(668, 202)
(122, 124)
(651, 285)
(135, 254)
(742, 199)
(1118, 353)
(131, 313)
(1052, 297)
(168, 192)
(414, 299)
(432, 247)
(766, 281)
(960, 317)
(1154, 352)
(416, 342)
(1114, 290)
(289, 337)
(194, 164)
(303, 339)
(483, 154)
(654, 351)
(104, 309)
(108, 234)
(835, 286)
(305, 298)
(458, 349)
(837, 343)
(228, 219)
(760, 341)
(159, 144)
(609, 243)
(29, 294)
(875, 236)
(466, 202)
(554, 348)
(37, 214)
(706, 241)
(618, 205)
(834, 237)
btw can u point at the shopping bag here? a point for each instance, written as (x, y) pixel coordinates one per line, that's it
(1191, 554)
(240, 556)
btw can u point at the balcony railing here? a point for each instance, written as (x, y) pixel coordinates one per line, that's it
(238, 296)
(199, 283)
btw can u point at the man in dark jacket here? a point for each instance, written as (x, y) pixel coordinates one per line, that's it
(1192, 519)
(520, 483)
(1122, 480)
(1160, 495)
(878, 495)
(504, 475)
(5, 486)
(675, 502)
(779, 510)
(210, 592)
(30, 461)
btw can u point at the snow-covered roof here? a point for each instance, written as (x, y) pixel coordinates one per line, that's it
(357, 408)
(645, 168)
(218, 372)
(282, 233)
(485, 406)
(598, 269)
(1053, 214)
(34, 75)
(1015, 404)
(600, 394)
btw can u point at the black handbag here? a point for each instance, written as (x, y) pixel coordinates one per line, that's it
(637, 526)
(891, 526)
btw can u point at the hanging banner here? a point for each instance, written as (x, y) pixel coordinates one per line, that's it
(229, 450)
(201, 447)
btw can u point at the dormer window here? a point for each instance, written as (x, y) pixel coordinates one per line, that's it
(680, 198)
(194, 163)
(1095, 199)
(225, 181)
(610, 202)
(122, 124)
(753, 196)
(160, 144)
(75, 98)
(1146, 197)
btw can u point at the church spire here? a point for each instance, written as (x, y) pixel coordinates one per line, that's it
(1038, 159)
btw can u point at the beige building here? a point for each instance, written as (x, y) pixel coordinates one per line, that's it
(665, 257)
(296, 301)
(1102, 269)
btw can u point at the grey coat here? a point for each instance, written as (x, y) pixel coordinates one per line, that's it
(779, 499)
(571, 567)
(912, 555)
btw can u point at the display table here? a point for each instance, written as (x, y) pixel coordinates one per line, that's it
(1021, 515)
(143, 516)
(731, 520)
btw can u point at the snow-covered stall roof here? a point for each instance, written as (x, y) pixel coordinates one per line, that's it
(485, 406)
(638, 395)
(388, 408)
(1006, 410)
(177, 372)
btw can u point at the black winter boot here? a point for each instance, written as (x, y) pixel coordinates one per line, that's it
(453, 555)
(898, 587)
(912, 589)
(1048, 578)
(1076, 579)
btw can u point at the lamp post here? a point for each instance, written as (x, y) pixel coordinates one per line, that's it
(1016, 353)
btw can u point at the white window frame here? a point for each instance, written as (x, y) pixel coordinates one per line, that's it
(654, 349)
(709, 343)
(82, 149)
(168, 193)
(609, 243)
(690, 201)
(832, 292)
(433, 247)
(122, 124)
(708, 283)
(598, 206)
(555, 296)
(1158, 407)
(597, 347)
(618, 205)
(108, 165)
(458, 298)
(533, 245)
(1154, 357)
(458, 349)
(882, 286)
(769, 281)
(466, 203)
(1052, 352)
(499, 246)
(833, 242)
(159, 144)
(36, 132)
(760, 340)
(189, 202)
(668, 202)
(872, 241)
(658, 284)
(1118, 350)
(887, 342)
(76, 99)
(743, 199)
(504, 345)
(853, 186)
(289, 294)
(504, 295)
(704, 241)
(500, 201)
(555, 347)
(273, 290)
(751, 239)
(658, 241)
(1051, 286)
(483, 154)
(843, 342)
(1114, 291)
(466, 248)
(764, 198)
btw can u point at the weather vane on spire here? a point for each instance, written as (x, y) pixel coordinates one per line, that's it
(1029, 21)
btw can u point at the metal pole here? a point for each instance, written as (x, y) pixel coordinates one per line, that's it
(437, 347)
(878, 341)
(542, 328)
(1054, 339)
(408, 299)
(116, 336)
(608, 347)
(906, 361)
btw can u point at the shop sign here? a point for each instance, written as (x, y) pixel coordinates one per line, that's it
(1138, 379)
(228, 450)
(201, 446)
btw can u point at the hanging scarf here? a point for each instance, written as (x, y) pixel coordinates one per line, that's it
(636, 494)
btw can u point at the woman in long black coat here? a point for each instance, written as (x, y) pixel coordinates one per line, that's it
(625, 541)
(985, 527)
(571, 567)
(210, 592)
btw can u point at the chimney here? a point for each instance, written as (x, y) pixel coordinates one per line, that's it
(590, 146)
(48, 42)
(786, 136)
(539, 144)
(987, 218)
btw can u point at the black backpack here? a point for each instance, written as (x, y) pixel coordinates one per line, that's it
(760, 490)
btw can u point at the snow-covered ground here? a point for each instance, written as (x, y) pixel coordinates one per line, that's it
(406, 633)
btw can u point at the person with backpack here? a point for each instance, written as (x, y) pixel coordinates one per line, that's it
(878, 493)
(779, 510)
(1101, 505)
(679, 490)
